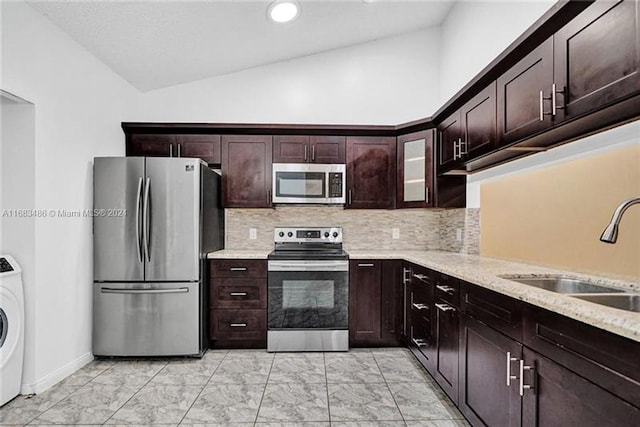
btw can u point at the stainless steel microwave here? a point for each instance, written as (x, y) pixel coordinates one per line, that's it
(309, 183)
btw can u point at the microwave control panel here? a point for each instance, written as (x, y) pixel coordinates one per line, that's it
(335, 184)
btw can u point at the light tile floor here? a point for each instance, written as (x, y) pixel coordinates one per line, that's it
(238, 388)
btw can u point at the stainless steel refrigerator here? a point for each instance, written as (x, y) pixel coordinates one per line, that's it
(155, 220)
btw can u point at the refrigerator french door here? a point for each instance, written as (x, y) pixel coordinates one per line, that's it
(150, 242)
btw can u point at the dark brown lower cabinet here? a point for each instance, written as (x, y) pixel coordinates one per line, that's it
(489, 388)
(447, 330)
(421, 316)
(239, 328)
(375, 303)
(560, 397)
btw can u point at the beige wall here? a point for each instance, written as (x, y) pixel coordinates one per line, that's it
(555, 215)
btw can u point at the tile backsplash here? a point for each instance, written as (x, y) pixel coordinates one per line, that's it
(420, 229)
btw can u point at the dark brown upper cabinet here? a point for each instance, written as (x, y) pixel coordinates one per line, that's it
(308, 149)
(449, 136)
(205, 147)
(415, 170)
(152, 145)
(469, 132)
(478, 122)
(525, 94)
(597, 58)
(246, 171)
(371, 175)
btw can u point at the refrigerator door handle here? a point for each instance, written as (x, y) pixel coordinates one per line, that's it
(138, 220)
(146, 217)
(144, 291)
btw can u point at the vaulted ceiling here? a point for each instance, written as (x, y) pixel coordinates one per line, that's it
(156, 44)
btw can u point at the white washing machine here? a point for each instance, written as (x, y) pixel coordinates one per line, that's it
(11, 328)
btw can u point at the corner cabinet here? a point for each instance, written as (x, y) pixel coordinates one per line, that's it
(415, 170)
(246, 171)
(371, 172)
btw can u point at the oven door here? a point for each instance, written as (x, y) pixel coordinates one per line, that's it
(308, 295)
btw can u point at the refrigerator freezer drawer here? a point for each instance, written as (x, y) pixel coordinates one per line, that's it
(146, 319)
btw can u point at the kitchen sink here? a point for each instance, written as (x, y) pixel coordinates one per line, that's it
(563, 285)
(628, 302)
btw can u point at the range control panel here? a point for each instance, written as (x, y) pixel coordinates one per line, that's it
(5, 266)
(307, 234)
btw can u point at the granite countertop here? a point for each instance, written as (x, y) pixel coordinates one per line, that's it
(486, 272)
(239, 254)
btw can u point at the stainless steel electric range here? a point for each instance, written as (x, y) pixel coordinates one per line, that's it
(308, 291)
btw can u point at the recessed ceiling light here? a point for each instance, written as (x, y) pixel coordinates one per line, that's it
(283, 11)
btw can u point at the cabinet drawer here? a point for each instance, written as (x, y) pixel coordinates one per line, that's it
(239, 268)
(421, 302)
(229, 292)
(238, 324)
(493, 309)
(447, 288)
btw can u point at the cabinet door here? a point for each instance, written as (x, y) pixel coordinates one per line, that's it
(597, 58)
(415, 167)
(391, 309)
(487, 358)
(152, 145)
(364, 302)
(523, 109)
(478, 119)
(328, 149)
(205, 147)
(291, 149)
(448, 138)
(559, 397)
(371, 172)
(447, 334)
(246, 171)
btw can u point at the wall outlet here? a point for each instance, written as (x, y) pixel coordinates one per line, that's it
(459, 234)
(395, 233)
(253, 233)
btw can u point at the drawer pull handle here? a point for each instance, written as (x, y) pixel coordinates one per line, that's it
(420, 306)
(445, 307)
(238, 294)
(421, 277)
(365, 265)
(524, 386)
(419, 342)
(446, 289)
(238, 269)
(509, 376)
(238, 325)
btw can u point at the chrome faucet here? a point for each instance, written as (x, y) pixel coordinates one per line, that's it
(610, 234)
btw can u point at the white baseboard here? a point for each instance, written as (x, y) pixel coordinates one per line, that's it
(56, 376)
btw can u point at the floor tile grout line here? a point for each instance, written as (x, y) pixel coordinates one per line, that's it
(264, 391)
(134, 394)
(326, 382)
(203, 387)
(390, 391)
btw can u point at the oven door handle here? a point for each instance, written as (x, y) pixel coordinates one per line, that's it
(308, 265)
